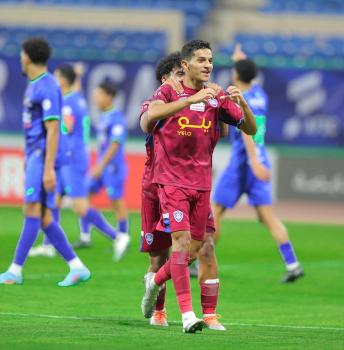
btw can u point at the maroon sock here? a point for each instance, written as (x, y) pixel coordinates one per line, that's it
(160, 303)
(164, 273)
(209, 297)
(181, 280)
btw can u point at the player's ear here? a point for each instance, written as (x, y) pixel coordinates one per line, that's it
(185, 65)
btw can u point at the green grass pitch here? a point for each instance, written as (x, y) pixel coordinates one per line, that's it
(104, 313)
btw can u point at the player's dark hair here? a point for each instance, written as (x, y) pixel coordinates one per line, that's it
(67, 71)
(166, 65)
(246, 69)
(38, 50)
(190, 47)
(109, 87)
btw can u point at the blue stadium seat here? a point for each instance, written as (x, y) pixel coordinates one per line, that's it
(88, 43)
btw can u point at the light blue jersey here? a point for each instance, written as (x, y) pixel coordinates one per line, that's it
(112, 128)
(42, 102)
(238, 177)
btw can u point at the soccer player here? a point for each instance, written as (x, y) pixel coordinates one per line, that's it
(73, 181)
(157, 243)
(249, 168)
(110, 170)
(41, 119)
(184, 141)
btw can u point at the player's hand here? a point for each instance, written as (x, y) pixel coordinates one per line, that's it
(235, 95)
(49, 179)
(260, 171)
(175, 84)
(215, 87)
(96, 171)
(79, 69)
(202, 96)
(238, 54)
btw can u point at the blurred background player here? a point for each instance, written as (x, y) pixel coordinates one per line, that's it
(110, 170)
(43, 155)
(75, 134)
(249, 168)
(183, 194)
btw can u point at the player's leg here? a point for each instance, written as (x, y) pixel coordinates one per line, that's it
(115, 189)
(175, 206)
(78, 271)
(280, 234)
(122, 240)
(29, 234)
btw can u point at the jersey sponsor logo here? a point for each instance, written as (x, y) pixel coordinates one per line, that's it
(149, 237)
(213, 102)
(46, 104)
(178, 215)
(26, 119)
(184, 123)
(198, 107)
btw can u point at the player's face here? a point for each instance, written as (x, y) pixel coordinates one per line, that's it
(177, 73)
(200, 66)
(24, 62)
(101, 98)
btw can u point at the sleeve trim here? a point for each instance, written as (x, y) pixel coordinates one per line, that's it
(51, 117)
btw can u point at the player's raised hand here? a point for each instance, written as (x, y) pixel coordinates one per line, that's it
(215, 87)
(202, 96)
(260, 171)
(175, 84)
(49, 179)
(238, 54)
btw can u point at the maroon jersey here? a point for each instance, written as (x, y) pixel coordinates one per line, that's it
(184, 142)
(147, 179)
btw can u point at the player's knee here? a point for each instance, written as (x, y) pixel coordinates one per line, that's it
(32, 209)
(181, 241)
(47, 218)
(207, 252)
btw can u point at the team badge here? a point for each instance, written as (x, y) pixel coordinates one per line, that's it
(213, 102)
(149, 238)
(178, 215)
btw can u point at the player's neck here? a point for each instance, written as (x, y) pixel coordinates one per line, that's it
(243, 86)
(35, 71)
(108, 108)
(192, 83)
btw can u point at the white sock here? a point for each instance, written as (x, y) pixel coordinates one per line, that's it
(75, 263)
(16, 269)
(188, 315)
(291, 267)
(85, 237)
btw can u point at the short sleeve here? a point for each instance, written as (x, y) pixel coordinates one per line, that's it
(51, 102)
(230, 112)
(144, 108)
(118, 131)
(164, 93)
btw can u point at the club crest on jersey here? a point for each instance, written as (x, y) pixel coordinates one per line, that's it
(149, 238)
(213, 102)
(178, 215)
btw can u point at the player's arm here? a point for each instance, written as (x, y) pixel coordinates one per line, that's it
(248, 124)
(146, 125)
(52, 140)
(259, 169)
(162, 109)
(98, 169)
(223, 129)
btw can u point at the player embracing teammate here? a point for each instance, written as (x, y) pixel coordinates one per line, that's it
(186, 131)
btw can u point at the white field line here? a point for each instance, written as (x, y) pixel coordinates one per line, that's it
(235, 324)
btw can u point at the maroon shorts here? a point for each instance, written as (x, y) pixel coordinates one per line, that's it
(183, 209)
(151, 239)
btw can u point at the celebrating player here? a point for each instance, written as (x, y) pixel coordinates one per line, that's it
(184, 140)
(249, 168)
(41, 119)
(110, 170)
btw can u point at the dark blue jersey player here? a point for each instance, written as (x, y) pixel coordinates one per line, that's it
(43, 156)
